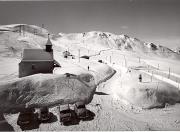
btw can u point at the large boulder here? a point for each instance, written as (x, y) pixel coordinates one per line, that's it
(46, 90)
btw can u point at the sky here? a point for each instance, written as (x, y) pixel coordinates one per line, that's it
(156, 21)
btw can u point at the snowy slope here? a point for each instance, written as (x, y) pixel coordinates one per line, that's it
(96, 40)
(13, 40)
(25, 28)
(15, 37)
(121, 95)
(100, 72)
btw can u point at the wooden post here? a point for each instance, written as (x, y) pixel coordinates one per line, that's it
(121, 83)
(148, 68)
(79, 54)
(157, 87)
(125, 61)
(169, 73)
(42, 25)
(20, 30)
(112, 56)
(35, 31)
(23, 30)
(152, 76)
(139, 59)
(85, 43)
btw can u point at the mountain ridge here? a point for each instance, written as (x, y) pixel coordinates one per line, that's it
(92, 40)
(120, 42)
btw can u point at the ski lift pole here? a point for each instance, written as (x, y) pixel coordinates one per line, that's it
(151, 76)
(19, 30)
(139, 59)
(169, 73)
(112, 56)
(125, 61)
(157, 86)
(79, 54)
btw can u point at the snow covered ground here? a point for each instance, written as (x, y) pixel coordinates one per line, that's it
(115, 97)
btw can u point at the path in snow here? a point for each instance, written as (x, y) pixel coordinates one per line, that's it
(171, 73)
(164, 79)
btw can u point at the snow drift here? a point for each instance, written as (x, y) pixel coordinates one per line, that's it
(149, 97)
(46, 90)
(101, 72)
(146, 94)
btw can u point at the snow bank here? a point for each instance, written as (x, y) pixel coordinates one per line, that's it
(146, 94)
(12, 43)
(46, 90)
(152, 97)
(101, 72)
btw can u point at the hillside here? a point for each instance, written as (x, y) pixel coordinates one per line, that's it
(105, 40)
(14, 38)
(108, 81)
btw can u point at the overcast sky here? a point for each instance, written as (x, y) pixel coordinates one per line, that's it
(155, 21)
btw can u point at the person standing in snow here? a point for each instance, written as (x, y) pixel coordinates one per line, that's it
(140, 78)
(88, 68)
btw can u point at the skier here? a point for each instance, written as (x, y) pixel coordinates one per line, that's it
(88, 68)
(140, 78)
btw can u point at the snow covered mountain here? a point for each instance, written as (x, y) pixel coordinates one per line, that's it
(109, 88)
(96, 40)
(24, 28)
(15, 37)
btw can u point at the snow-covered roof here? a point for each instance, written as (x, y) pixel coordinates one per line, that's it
(36, 55)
